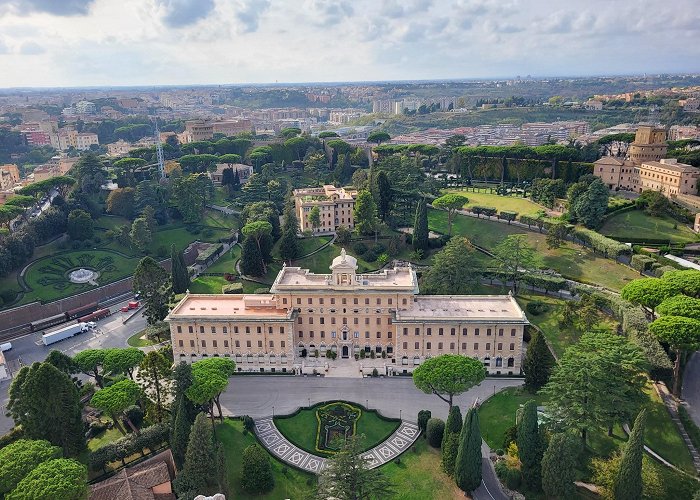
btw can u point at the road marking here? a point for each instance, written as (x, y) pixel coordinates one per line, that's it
(487, 489)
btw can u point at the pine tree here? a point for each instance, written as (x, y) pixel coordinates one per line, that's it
(529, 446)
(180, 276)
(468, 465)
(559, 466)
(538, 363)
(420, 227)
(628, 483)
(289, 245)
(251, 260)
(450, 440)
(383, 195)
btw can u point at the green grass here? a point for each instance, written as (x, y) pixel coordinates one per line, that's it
(208, 284)
(418, 476)
(319, 262)
(637, 224)
(289, 482)
(497, 414)
(572, 261)
(302, 428)
(136, 341)
(108, 436)
(559, 337)
(523, 206)
(226, 263)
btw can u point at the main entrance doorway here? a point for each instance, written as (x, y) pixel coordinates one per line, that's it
(345, 352)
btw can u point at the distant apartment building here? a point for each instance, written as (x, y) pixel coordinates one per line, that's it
(336, 206)
(197, 130)
(680, 132)
(690, 105)
(646, 169)
(119, 148)
(35, 135)
(69, 138)
(341, 117)
(244, 172)
(85, 108)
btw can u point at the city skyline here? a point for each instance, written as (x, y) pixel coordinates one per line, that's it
(87, 43)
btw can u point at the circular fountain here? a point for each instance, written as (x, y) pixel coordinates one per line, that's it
(82, 276)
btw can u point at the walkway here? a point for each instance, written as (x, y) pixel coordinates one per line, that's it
(672, 407)
(272, 439)
(691, 387)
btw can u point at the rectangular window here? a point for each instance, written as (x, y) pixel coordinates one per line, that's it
(453, 331)
(366, 335)
(452, 346)
(320, 301)
(201, 329)
(390, 301)
(301, 334)
(417, 345)
(488, 332)
(488, 346)
(260, 343)
(388, 335)
(366, 302)
(356, 321)
(476, 346)
(180, 343)
(500, 332)
(405, 346)
(500, 346)
(440, 332)
(512, 347)
(225, 343)
(332, 321)
(403, 302)
(379, 302)
(282, 344)
(429, 331)
(213, 342)
(191, 343)
(298, 301)
(439, 345)
(345, 301)
(379, 321)
(179, 329)
(204, 343)
(247, 343)
(379, 335)
(427, 345)
(405, 331)
(417, 331)
(235, 329)
(299, 320)
(238, 343)
(355, 301)
(284, 300)
(512, 332)
(476, 331)
(310, 301)
(366, 321)
(259, 329)
(247, 329)
(272, 344)
(225, 329)
(464, 346)
(311, 334)
(281, 329)
(190, 329)
(311, 321)
(213, 329)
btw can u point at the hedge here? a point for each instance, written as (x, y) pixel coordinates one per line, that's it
(607, 246)
(548, 283)
(534, 221)
(232, 288)
(209, 253)
(642, 263)
(643, 241)
(150, 437)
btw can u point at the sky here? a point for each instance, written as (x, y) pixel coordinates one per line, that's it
(52, 43)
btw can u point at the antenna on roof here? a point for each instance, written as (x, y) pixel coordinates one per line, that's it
(159, 149)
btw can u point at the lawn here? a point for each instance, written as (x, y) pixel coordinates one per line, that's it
(637, 224)
(571, 261)
(136, 341)
(208, 284)
(523, 206)
(320, 262)
(558, 337)
(226, 263)
(289, 482)
(302, 428)
(47, 276)
(497, 414)
(418, 475)
(108, 436)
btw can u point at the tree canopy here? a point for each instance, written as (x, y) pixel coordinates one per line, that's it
(19, 458)
(450, 202)
(454, 270)
(210, 378)
(649, 292)
(448, 375)
(59, 479)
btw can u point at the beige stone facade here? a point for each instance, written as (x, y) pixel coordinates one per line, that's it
(649, 145)
(352, 315)
(336, 206)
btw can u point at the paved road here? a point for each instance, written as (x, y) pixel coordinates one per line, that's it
(28, 349)
(691, 386)
(392, 396)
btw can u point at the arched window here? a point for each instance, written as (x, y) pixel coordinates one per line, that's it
(511, 362)
(404, 360)
(499, 362)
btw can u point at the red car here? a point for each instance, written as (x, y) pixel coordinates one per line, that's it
(124, 309)
(134, 304)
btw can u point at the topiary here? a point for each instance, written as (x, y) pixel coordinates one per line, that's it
(248, 423)
(423, 417)
(435, 428)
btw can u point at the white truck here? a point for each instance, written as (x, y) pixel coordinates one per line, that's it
(49, 338)
(6, 346)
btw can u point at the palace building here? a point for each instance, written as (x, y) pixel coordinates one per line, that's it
(336, 206)
(354, 316)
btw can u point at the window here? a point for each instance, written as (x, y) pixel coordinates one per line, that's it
(405, 346)
(281, 329)
(500, 332)
(247, 342)
(191, 343)
(311, 321)
(488, 346)
(311, 334)
(512, 332)
(405, 331)
(379, 335)
(355, 301)
(332, 321)
(310, 301)
(247, 329)
(366, 302)
(204, 343)
(427, 345)
(332, 300)
(320, 301)
(282, 344)
(417, 331)
(366, 321)
(452, 346)
(298, 301)
(440, 345)
(476, 346)
(225, 329)
(464, 346)
(429, 331)
(512, 347)
(179, 329)
(345, 301)
(301, 334)
(440, 332)
(201, 329)
(356, 321)
(464, 331)
(190, 329)
(235, 329)
(488, 331)
(272, 343)
(452, 331)
(260, 343)
(213, 342)
(238, 343)
(476, 331)
(284, 300)
(500, 346)
(180, 343)
(259, 329)
(499, 362)
(403, 302)
(225, 343)
(379, 321)
(390, 301)
(322, 321)
(379, 302)
(417, 345)
(366, 335)
(388, 335)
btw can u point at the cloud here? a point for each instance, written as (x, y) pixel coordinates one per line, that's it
(181, 13)
(248, 13)
(328, 12)
(31, 49)
(4, 49)
(397, 9)
(55, 7)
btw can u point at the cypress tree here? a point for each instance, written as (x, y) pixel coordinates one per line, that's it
(559, 466)
(628, 483)
(251, 260)
(180, 276)
(538, 363)
(468, 465)
(180, 433)
(450, 440)
(529, 446)
(420, 227)
(200, 457)
(289, 245)
(384, 195)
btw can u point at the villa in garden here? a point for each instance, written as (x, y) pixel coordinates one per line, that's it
(351, 315)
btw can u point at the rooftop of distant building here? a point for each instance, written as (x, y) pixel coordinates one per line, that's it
(228, 306)
(327, 192)
(467, 308)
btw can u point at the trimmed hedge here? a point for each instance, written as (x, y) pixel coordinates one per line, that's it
(150, 437)
(607, 246)
(434, 432)
(642, 263)
(548, 283)
(232, 288)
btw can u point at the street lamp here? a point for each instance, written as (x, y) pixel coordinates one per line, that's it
(309, 402)
(367, 403)
(400, 411)
(273, 412)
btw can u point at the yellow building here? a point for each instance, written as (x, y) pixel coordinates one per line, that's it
(336, 206)
(352, 315)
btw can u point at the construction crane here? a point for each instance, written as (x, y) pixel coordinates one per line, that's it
(159, 150)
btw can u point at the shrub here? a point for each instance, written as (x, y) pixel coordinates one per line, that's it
(641, 263)
(249, 423)
(379, 249)
(96, 428)
(423, 417)
(510, 436)
(135, 414)
(233, 288)
(435, 428)
(537, 307)
(375, 372)
(500, 452)
(359, 248)
(370, 256)
(509, 476)
(256, 476)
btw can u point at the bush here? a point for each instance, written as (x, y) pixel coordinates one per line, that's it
(537, 307)
(375, 372)
(151, 437)
(232, 288)
(249, 423)
(135, 414)
(379, 249)
(642, 263)
(510, 436)
(256, 476)
(161, 251)
(511, 477)
(690, 427)
(8, 295)
(359, 248)
(500, 452)
(370, 256)
(423, 417)
(435, 428)
(96, 428)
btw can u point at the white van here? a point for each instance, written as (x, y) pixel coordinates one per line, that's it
(6, 346)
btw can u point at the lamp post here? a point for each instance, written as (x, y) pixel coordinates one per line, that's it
(273, 412)
(400, 412)
(308, 400)
(367, 403)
